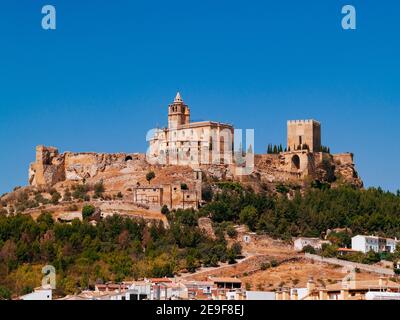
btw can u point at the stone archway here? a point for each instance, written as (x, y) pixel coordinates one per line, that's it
(128, 158)
(296, 162)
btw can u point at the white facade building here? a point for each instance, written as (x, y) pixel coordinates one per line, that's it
(316, 243)
(372, 243)
(39, 294)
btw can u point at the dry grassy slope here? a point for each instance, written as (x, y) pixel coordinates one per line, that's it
(292, 271)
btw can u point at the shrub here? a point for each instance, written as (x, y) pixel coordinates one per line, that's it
(99, 189)
(87, 211)
(274, 263)
(165, 210)
(55, 197)
(265, 266)
(309, 249)
(231, 231)
(80, 192)
(67, 195)
(207, 193)
(5, 293)
(281, 188)
(237, 248)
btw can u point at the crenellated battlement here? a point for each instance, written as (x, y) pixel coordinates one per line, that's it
(307, 121)
(304, 134)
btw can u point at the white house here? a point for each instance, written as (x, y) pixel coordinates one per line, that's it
(378, 295)
(372, 243)
(316, 243)
(41, 293)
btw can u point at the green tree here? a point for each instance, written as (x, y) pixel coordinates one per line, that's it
(150, 176)
(87, 211)
(237, 248)
(249, 216)
(165, 210)
(309, 249)
(5, 293)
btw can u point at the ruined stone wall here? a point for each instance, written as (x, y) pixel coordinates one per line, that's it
(123, 172)
(48, 168)
(51, 167)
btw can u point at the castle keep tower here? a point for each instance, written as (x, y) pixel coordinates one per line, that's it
(304, 134)
(178, 113)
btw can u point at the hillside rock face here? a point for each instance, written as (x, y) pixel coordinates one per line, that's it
(122, 171)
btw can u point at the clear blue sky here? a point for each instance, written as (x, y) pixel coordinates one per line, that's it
(108, 72)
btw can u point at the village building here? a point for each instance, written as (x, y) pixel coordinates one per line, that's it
(302, 242)
(349, 288)
(173, 195)
(226, 283)
(40, 293)
(365, 244)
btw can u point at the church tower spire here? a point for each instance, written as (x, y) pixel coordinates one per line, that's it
(178, 97)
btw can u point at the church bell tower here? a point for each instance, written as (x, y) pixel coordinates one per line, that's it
(178, 113)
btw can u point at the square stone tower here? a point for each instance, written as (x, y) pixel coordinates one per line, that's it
(178, 113)
(304, 134)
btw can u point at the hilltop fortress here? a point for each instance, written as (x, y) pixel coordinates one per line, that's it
(186, 155)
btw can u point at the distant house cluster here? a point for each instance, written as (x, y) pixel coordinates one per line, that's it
(166, 289)
(214, 288)
(350, 288)
(359, 243)
(225, 288)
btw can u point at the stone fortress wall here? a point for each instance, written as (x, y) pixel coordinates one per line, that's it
(179, 186)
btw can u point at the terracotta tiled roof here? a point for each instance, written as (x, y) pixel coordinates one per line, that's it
(158, 280)
(365, 285)
(225, 280)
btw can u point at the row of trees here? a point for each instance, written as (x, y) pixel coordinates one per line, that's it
(114, 249)
(275, 149)
(311, 214)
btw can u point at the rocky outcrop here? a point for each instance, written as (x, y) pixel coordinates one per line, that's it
(345, 169)
(123, 171)
(48, 168)
(51, 167)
